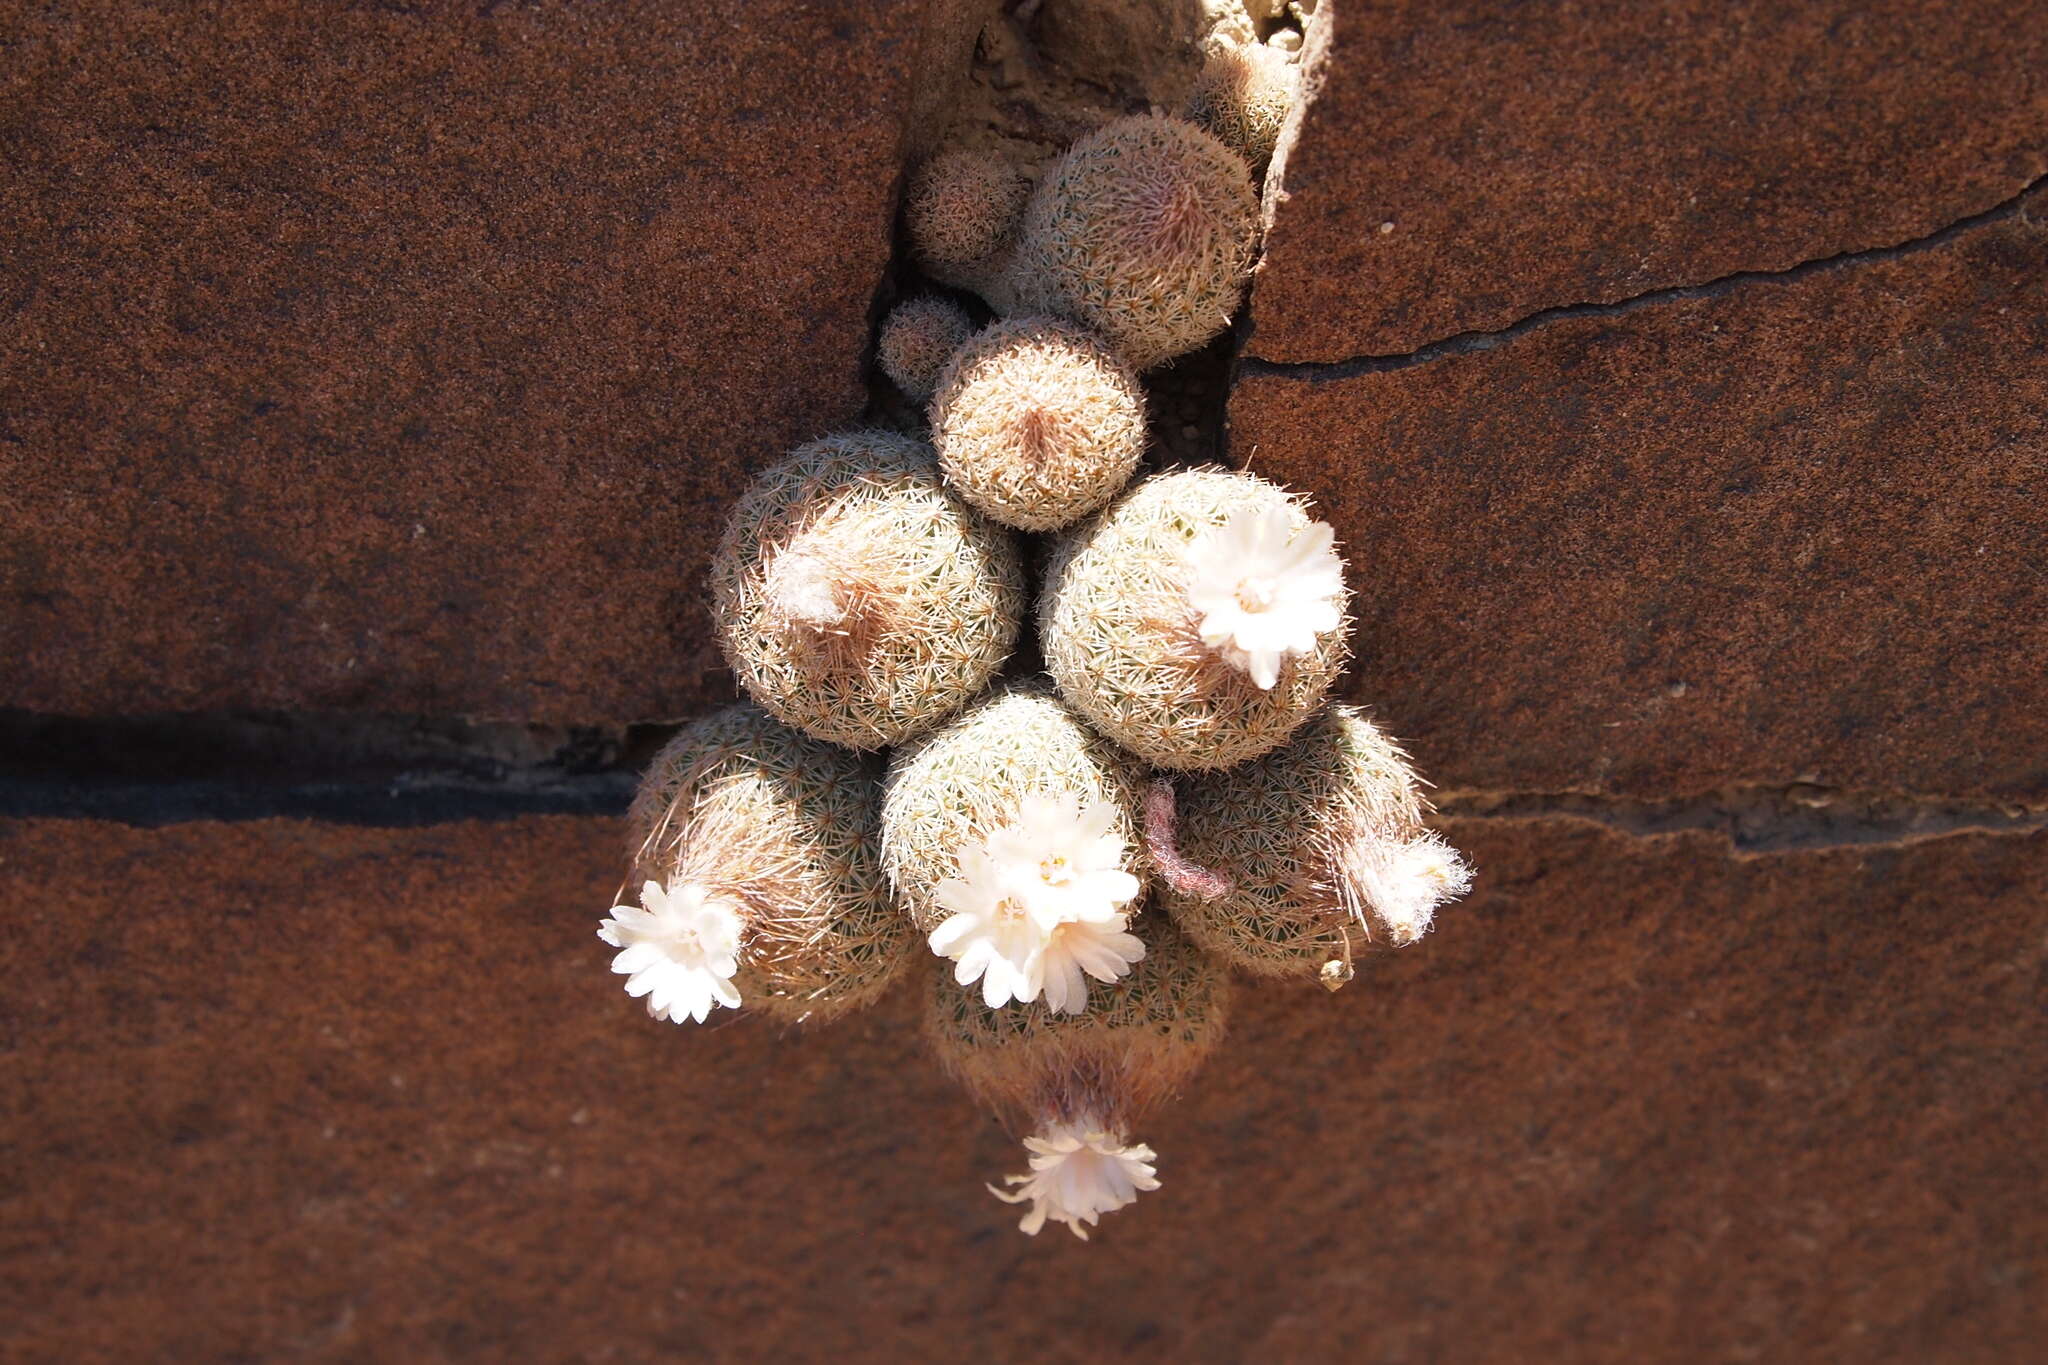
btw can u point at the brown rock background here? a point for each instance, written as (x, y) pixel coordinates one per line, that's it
(1464, 165)
(364, 360)
(282, 1091)
(403, 358)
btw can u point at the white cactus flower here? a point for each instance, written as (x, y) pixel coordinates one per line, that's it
(1401, 884)
(679, 947)
(1079, 1172)
(1263, 591)
(991, 934)
(1039, 906)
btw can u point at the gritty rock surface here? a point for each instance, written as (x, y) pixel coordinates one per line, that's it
(1464, 165)
(1789, 531)
(395, 358)
(285, 1091)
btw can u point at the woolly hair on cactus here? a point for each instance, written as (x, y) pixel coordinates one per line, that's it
(1243, 97)
(961, 212)
(1144, 231)
(1038, 423)
(857, 599)
(1078, 1083)
(756, 851)
(1012, 839)
(1199, 620)
(1298, 862)
(918, 337)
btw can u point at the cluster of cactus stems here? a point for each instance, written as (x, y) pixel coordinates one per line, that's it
(1078, 857)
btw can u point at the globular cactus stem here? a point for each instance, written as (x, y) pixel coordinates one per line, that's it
(1143, 231)
(858, 600)
(961, 214)
(919, 337)
(1079, 1083)
(763, 884)
(1243, 97)
(1199, 620)
(1038, 423)
(1324, 844)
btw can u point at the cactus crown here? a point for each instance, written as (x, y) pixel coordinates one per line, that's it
(784, 827)
(1038, 423)
(1123, 641)
(1144, 231)
(856, 599)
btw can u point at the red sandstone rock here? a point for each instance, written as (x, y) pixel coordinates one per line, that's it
(1793, 531)
(1532, 156)
(407, 357)
(280, 1091)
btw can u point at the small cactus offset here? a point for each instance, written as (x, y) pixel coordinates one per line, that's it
(1243, 97)
(1315, 854)
(856, 599)
(1198, 621)
(918, 338)
(1037, 423)
(746, 827)
(961, 214)
(1143, 231)
(1079, 1083)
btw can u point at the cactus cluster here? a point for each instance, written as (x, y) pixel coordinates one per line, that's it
(1077, 912)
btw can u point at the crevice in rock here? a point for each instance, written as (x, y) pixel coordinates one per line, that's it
(380, 770)
(1465, 343)
(1761, 820)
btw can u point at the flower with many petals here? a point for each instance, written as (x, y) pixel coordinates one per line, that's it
(1039, 906)
(990, 934)
(1066, 860)
(1263, 591)
(679, 947)
(1100, 948)
(1078, 1172)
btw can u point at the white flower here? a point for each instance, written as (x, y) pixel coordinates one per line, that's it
(679, 948)
(1066, 860)
(1100, 948)
(1401, 885)
(1262, 591)
(1078, 1173)
(1038, 903)
(991, 935)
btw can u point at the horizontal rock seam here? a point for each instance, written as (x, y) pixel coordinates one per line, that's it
(403, 771)
(1466, 343)
(1760, 820)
